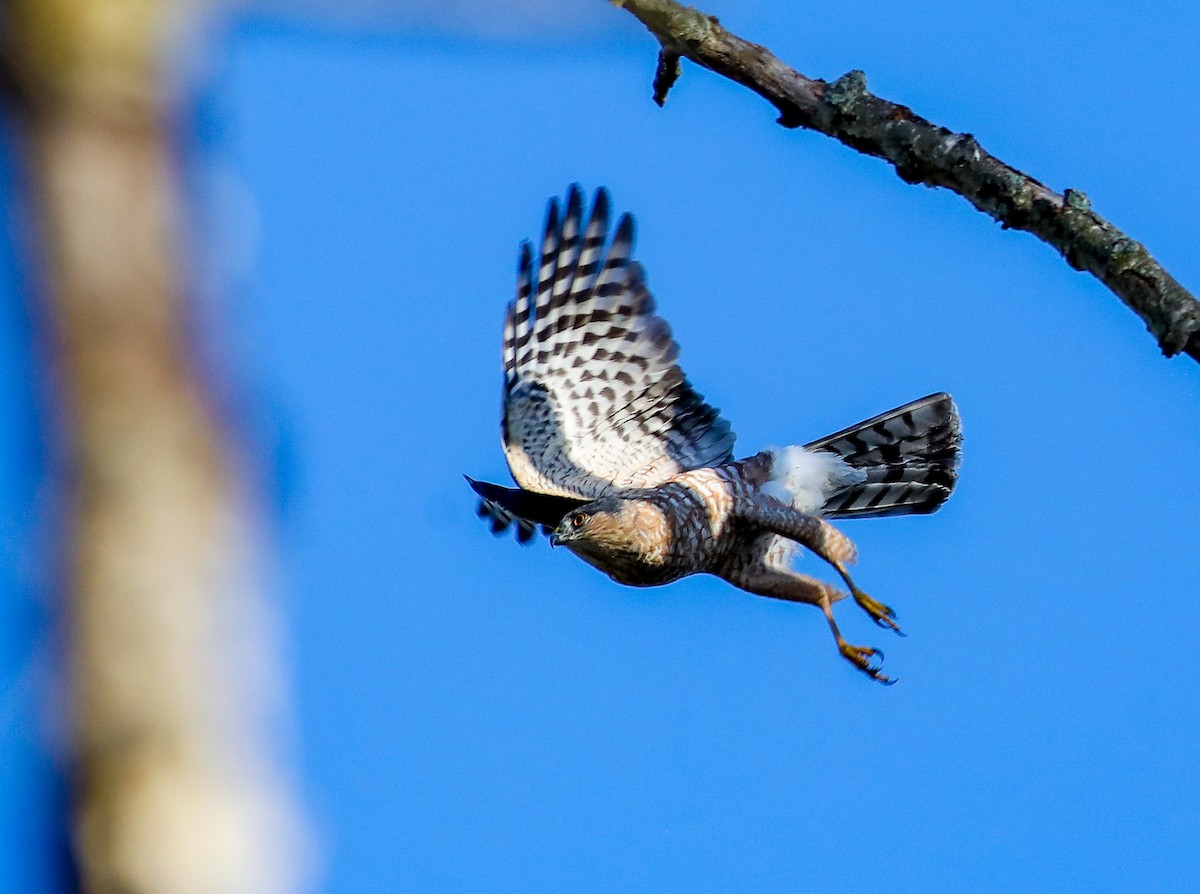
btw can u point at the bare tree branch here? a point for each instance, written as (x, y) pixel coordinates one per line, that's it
(923, 152)
(172, 664)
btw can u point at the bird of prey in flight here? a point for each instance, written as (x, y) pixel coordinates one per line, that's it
(620, 460)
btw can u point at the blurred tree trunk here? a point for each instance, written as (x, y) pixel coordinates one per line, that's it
(170, 652)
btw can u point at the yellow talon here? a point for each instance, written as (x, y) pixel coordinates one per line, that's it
(860, 657)
(882, 615)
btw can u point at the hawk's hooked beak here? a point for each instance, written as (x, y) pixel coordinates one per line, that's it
(561, 538)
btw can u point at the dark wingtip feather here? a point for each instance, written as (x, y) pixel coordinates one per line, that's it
(574, 199)
(550, 232)
(626, 230)
(525, 531)
(600, 206)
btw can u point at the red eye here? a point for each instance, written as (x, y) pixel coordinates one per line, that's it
(578, 520)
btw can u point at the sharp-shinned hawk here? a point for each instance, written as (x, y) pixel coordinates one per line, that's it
(621, 461)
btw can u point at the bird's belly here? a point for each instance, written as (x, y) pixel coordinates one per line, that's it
(635, 572)
(644, 576)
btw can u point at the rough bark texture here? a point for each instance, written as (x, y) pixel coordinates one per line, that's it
(923, 152)
(170, 651)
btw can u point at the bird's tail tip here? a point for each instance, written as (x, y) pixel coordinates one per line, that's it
(908, 457)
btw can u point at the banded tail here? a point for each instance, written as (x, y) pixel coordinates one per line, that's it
(910, 456)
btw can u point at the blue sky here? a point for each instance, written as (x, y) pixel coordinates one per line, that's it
(474, 716)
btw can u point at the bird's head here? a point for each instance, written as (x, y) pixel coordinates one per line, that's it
(596, 521)
(628, 539)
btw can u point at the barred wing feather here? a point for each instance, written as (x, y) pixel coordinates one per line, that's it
(594, 401)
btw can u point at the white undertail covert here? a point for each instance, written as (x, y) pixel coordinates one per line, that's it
(805, 479)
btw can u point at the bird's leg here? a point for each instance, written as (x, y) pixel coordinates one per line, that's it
(859, 656)
(882, 615)
(764, 579)
(827, 542)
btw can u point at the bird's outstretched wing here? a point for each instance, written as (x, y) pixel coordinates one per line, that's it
(594, 401)
(506, 506)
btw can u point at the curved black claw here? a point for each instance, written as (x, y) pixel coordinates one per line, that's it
(860, 657)
(882, 615)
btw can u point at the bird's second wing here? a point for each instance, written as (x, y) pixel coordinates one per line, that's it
(593, 399)
(506, 506)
